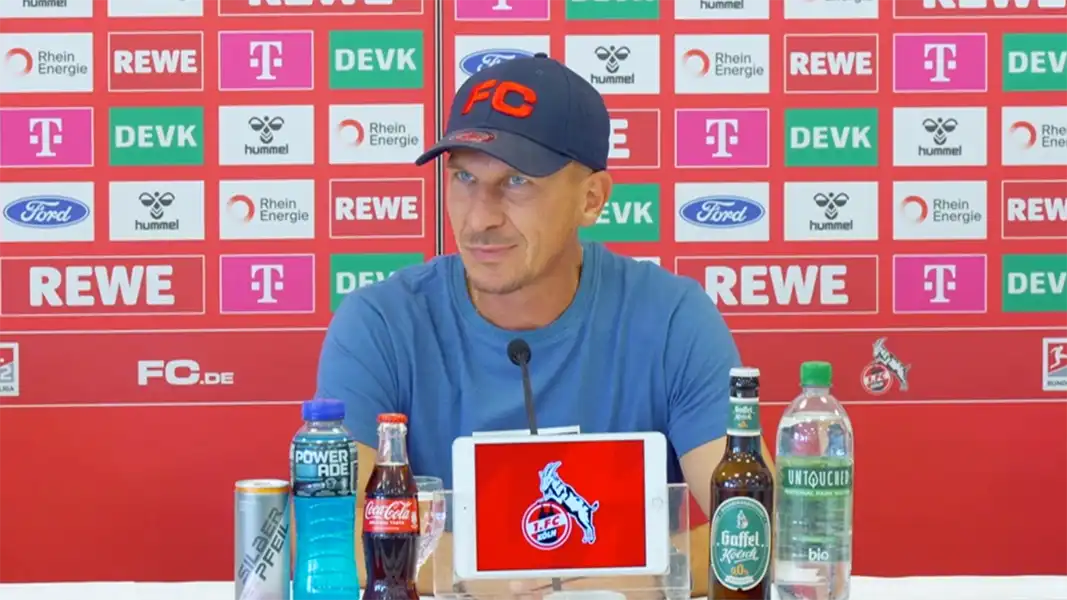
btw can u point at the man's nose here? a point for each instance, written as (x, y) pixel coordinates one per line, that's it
(486, 212)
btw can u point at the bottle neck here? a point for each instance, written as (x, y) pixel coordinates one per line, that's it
(392, 446)
(815, 390)
(743, 429)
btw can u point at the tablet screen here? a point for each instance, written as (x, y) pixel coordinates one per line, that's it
(560, 505)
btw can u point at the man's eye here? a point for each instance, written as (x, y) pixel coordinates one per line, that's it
(464, 176)
(517, 180)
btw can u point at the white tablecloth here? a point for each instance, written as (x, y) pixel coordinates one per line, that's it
(863, 588)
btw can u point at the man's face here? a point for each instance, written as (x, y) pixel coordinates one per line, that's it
(510, 227)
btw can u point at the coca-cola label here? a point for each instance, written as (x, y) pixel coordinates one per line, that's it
(391, 515)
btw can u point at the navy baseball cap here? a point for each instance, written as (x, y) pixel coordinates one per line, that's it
(533, 113)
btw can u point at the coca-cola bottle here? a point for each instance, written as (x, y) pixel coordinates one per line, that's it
(391, 516)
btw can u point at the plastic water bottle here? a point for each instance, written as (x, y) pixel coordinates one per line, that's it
(322, 460)
(813, 516)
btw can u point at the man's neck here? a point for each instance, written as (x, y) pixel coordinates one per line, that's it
(536, 305)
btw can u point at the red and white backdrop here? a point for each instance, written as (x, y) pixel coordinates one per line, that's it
(188, 188)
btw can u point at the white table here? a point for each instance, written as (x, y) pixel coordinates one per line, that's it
(863, 588)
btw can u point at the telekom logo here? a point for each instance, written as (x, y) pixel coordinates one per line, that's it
(44, 133)
(939, 58)
(939, 279)
(722, 134)
(265, 56)
(267, 279)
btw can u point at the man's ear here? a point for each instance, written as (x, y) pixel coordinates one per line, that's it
(596, 191)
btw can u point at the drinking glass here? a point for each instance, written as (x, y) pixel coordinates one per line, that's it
(431, 515)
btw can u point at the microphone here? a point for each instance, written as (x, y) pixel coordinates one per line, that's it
(519, 354)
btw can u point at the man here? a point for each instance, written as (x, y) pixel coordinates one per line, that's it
(617, 344)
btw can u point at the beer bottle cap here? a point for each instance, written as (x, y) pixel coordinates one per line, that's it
(744, 372)
(322, 409)
(815, 373)
(392, 418)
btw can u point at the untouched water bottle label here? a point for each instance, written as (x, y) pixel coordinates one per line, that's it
(740, 543)
(324, 469)
(391, 515)
(817, 478)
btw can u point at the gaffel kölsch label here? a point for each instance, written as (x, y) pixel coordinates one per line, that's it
(323, 468)
(744, 417)
(740, 543)
(820, 478)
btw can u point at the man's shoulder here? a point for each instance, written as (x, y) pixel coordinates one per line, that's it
(647, 285)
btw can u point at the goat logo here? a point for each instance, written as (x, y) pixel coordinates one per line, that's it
(548, 522)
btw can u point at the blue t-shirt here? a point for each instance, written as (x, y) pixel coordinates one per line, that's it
(639, 349)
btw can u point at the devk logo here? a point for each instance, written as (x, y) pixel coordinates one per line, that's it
(547, 523)
(181, 371)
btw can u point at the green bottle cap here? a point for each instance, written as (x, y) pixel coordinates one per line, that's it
(815, 373)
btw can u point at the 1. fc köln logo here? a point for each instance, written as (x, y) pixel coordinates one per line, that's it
(548, 522)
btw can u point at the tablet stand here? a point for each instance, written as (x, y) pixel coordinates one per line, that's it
(672, 585)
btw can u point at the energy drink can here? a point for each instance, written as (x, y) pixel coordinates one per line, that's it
(261, 540)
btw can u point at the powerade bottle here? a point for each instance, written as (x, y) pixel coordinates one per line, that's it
(322, 460)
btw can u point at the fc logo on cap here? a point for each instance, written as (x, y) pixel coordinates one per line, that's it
(496, 92)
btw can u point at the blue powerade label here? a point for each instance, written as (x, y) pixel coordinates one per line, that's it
(323, 468)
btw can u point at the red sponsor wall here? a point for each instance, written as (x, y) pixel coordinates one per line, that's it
(188, 188)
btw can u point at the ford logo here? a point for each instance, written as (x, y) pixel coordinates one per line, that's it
(474, 62)
(46, 212)
(722, 211)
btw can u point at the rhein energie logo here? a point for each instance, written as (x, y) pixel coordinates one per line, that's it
(548, 522)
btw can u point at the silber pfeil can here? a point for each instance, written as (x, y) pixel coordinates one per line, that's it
(261, 540)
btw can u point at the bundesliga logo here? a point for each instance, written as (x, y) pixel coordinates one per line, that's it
(548, 522)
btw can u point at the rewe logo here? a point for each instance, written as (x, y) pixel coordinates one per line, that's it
(46, 137)
(979, 9)
(631, 214)
(349, 272)
(827, 137)
(837, 64)
(375, 133)
(634, 140)
(925, 62)
(796, 285)
(1034, 135)
(1034, 209)
(267, 284)
(149, 136)
(265, 60)
(943, 283)
(726, 138)
(377, 208)
(1035, 62)
(259, 8)
(102, 285)
(158, 61)
(376, 60)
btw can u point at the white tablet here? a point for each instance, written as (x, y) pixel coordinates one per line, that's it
(588, 505)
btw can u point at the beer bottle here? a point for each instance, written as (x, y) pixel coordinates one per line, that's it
(742, 499)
